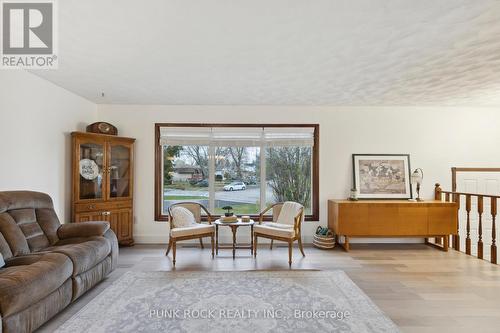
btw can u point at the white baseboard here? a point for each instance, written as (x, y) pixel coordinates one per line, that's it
(226, 239)
(156, 239)
(386, 240)
(150, 239)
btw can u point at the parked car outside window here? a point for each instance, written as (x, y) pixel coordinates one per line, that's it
(235, 186)
(202, 183)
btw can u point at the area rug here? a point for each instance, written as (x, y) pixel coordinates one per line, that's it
(255, 301)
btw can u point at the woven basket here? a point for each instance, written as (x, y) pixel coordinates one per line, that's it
(324, 242)
(229, 219)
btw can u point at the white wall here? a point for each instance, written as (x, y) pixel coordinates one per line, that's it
(36, 118)
(436, 137)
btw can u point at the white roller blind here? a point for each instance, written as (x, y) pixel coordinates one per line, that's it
(289, 136)
(238, 136)
(184, 136)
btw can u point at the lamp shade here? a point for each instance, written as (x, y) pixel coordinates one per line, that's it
(417, 176)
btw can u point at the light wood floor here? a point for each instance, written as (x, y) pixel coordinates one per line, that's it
(420, 288)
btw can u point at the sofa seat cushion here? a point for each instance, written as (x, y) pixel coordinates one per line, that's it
(267, 229)
(90, 278)
(193, 230)
(85, 253)
(27, 279)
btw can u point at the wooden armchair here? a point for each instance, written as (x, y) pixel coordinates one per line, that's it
(191, 231)
(285, 228)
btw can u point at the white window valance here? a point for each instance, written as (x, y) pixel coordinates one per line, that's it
(237, 136)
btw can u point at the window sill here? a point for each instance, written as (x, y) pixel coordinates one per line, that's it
(308, 218)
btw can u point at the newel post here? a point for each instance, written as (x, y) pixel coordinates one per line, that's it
(437, 192)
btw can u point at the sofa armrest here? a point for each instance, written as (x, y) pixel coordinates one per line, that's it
(111, 237)
(83, 229)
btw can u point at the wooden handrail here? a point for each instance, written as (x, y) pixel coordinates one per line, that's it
(473, 194)
(454, 196)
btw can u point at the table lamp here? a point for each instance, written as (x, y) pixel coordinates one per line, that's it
(416, 178)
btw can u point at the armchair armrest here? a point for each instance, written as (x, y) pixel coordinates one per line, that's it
(83, 229)
(297, 223)
(209, 216)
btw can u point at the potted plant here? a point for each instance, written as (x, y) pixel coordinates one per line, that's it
(229, 211)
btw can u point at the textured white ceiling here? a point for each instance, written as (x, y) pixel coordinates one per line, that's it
(296, 52)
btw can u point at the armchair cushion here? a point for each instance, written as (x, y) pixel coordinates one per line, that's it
(84, 229)
(278, 225)
(182, 217)
(192, 230)
(268, 229)
(288, 213)
(2, 263)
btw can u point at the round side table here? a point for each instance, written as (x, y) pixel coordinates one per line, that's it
(234, 227)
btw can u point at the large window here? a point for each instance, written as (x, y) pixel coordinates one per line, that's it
(247, 167)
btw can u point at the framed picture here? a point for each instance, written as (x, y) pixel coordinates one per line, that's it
(382, 176)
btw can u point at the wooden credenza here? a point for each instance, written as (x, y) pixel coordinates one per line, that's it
(392, 218)
(103, 180)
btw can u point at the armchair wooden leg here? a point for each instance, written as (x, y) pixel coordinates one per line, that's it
(174, 248)
(169, 245)
(300, 247)
(290, 253)
(201, 243)
(255, 247)
(271, 247)
(212, 241)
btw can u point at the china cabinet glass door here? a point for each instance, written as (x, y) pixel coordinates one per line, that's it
(119, 171)
(91, 168)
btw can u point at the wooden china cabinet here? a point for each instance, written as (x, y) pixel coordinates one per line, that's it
(102, 173)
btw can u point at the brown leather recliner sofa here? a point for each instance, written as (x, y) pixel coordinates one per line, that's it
(48, 265)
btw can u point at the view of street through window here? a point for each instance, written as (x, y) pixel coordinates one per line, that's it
(237, 176)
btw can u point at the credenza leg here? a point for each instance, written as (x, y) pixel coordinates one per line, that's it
(446, 243)
(345, 245)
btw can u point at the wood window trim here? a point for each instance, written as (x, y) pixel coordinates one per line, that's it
(161, 217)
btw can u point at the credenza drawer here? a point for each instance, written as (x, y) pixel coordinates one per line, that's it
(412, 221)
(442, 220)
